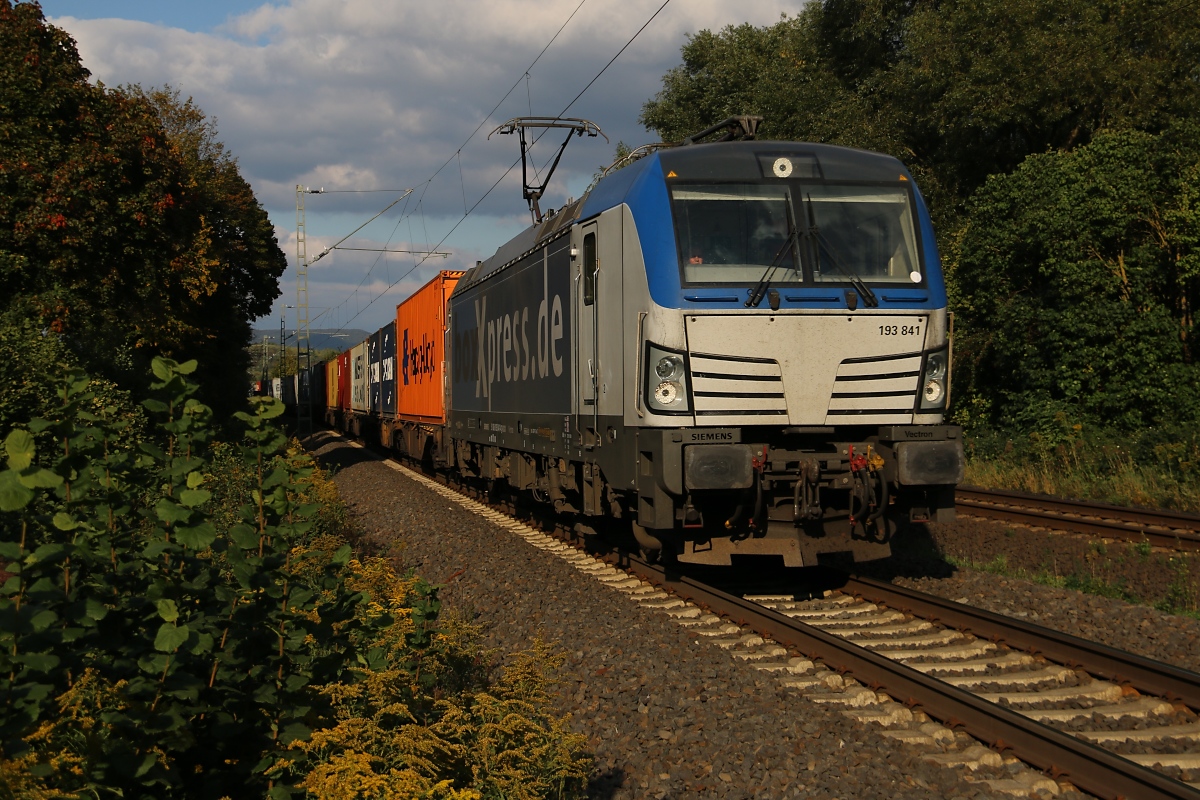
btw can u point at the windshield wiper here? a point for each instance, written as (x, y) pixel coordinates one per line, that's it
(868, 296)
(760, 288)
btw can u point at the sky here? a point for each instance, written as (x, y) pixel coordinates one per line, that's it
(368, 98)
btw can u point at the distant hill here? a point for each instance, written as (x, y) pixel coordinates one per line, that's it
(319, 338)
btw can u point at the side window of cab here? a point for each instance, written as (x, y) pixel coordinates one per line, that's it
(589, 269)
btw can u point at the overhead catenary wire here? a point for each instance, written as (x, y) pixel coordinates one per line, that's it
(458, 153)
(524, 77)
(379, 257)
(516, 162)
(529, 99)
(333, 247)
(511, 89)
(614, 58)
(382, 251)
(462, 183)
(358, 191)
(417, 265)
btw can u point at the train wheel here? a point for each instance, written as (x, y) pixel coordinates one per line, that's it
(650, 545)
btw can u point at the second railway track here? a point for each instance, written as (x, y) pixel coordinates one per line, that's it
(1167, 529)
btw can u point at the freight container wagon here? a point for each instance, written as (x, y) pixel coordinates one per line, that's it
(332, 408)
(284, 389)
(343, 390)
(360, 401)
(373, 395)
(316, 391)
(420, 368)
(387, 368)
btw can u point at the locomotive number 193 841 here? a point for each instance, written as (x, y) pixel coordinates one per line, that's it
(900, 330)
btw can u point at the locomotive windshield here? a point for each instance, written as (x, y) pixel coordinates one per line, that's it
(729, 233)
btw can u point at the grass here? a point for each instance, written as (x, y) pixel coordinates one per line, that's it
(1131, 484)
(1180, 599)
(1076, 581)
(1156, 469)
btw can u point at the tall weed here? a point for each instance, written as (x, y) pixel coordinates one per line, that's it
(1158, 467)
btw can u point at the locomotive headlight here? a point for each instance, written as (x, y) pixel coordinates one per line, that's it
(934, 381)
(667, 393)
(669, 368)
(666, 381)
(934, 392)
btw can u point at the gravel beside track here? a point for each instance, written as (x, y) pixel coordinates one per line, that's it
(1170, 638)
(667, 716)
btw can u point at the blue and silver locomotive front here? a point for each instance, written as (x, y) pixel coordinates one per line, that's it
(781, 327)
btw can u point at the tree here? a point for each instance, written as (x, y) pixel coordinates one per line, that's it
(124, 227)
(1076, 281)
(243, 259)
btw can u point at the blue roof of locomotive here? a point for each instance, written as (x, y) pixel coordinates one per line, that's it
(643, 187)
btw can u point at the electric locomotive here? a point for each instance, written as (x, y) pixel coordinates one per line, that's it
(740, 348)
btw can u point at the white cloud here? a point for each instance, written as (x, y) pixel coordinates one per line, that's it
(364, 94)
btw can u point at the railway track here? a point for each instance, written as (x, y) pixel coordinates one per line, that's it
(933, 673)
(1059, 703)
(1168, 529)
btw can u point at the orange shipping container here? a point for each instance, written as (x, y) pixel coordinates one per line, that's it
(421, 350)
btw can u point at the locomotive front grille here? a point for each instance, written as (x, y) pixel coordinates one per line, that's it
(737, 391)
(875, 390)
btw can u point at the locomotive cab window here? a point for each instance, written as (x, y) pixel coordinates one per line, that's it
(802, 231)
(729, 232)
(589, 269)
(866, 229)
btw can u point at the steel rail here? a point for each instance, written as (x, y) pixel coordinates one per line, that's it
(1089, 767)
(1144, 674)
(1168, 529)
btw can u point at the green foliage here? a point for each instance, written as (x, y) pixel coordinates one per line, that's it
(31, 360)
(1180, 597)
(144, 649)
(124, 226)
(184, 619)
(1076, 284)
(237, 258)
(779, 72)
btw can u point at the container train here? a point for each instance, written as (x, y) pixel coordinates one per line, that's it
(731, 349)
